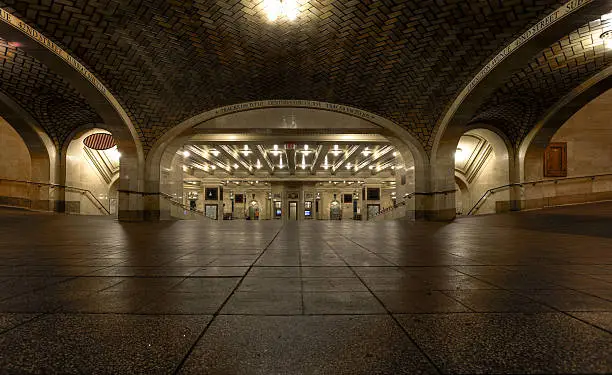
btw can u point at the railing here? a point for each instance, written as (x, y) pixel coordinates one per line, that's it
(395, 205)
(177, 203)
(407, 197)
(92, 198)
(494, 190)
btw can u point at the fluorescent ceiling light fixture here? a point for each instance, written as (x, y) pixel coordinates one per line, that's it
(186, 153)
(236, 166)
(215, 152)
(366, 152)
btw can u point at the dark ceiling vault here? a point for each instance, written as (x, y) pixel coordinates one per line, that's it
(166, 61)
(49, 99)
(529, 92)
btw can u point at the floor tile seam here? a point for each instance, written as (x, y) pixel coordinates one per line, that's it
(299, 249)
(69, 278)
(544, 303)
(199, 268)
(496, 287)
(388, 312)
(37, 316)
(218, 311)
(363, 247)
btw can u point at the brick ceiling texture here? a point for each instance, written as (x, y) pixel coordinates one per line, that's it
(526, 95)
(166, 61)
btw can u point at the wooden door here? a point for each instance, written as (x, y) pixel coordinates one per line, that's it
(555, 160)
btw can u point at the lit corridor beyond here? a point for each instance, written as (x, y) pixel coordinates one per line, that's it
(514, 293)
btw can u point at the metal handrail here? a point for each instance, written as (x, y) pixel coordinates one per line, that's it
(172, 200)
(534, 182)
(409, 196)
(91, 196)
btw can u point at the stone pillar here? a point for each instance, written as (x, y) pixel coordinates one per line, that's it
(435, 199)
(132, 200)
(514, 177)
(58, 193)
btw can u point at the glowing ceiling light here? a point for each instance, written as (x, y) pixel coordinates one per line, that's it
(215, 152)
(186, 153)
(303, 162)
(366, 152)
(236, 166)
(371, 167)
(213, 167)
(273, 9)
(394, 154)
(607, 39)
(459, 155)
(114, 154)
(258, 165)
(290, 9)
(348, 166)
(277, 8)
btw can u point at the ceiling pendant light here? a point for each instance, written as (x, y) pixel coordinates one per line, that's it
(277, 8)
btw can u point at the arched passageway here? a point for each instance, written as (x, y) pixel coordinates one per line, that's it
(482, 163)
(324, 155)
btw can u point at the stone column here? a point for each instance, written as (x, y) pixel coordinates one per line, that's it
(58, 193)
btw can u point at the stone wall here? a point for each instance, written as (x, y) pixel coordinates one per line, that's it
(15, 164)
(80, 173)
(588, 134)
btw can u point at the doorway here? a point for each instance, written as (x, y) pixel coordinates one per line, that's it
(373, 210)
(210, 210)
(292, 210)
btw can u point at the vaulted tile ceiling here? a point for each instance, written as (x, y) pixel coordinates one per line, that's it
(169, 60)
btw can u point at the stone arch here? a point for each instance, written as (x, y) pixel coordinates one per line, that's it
(453, 124)
(490, 168)
(115, 118)
(462, 198)
(84, 168)
(532, 148)
(40, 146)
(163, 152)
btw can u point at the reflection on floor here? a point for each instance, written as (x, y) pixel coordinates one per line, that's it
(527, 292)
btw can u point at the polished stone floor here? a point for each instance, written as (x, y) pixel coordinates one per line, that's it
(517, 293)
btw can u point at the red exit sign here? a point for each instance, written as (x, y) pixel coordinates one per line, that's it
(289, 146)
